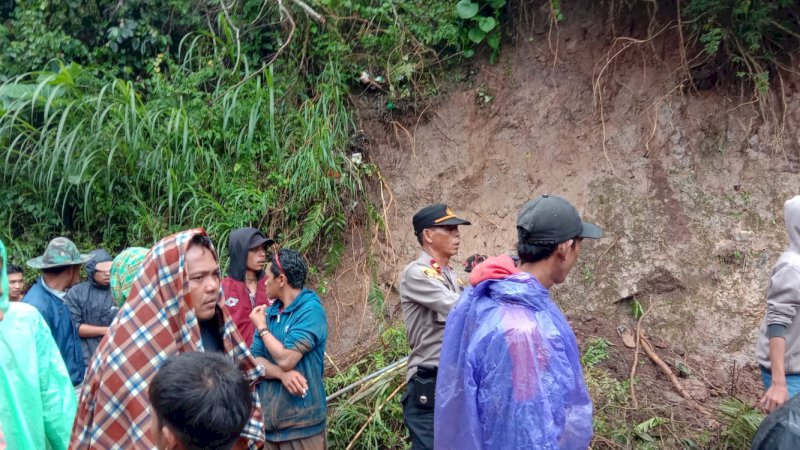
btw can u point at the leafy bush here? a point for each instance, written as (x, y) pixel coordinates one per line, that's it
(116, 157)
(481, 24)
(749, 37)
(390, 43)
(121, 35)
(128, 163)
(122, 122)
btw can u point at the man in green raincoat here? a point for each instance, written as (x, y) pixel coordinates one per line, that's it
(37, 402)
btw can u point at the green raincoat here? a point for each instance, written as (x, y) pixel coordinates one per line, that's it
(37, 401)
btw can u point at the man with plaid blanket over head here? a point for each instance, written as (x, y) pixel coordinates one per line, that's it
(175, 306)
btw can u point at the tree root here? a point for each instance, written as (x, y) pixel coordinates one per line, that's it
(648, 349)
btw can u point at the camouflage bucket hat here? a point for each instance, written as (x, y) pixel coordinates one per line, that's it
(59, 252)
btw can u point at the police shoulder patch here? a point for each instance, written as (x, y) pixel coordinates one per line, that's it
(432, 273)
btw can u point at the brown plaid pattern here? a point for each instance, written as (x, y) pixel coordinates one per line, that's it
(157, 321)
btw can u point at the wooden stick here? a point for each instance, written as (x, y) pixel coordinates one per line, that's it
(374, 413)
(333, 363)
(648, 349)
(310, 11)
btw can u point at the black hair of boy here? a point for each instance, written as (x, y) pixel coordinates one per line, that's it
(203, 398)
(290, 263)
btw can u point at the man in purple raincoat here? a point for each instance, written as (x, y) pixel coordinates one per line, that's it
(510, 358)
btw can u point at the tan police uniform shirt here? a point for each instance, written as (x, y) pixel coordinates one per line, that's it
(426, 295)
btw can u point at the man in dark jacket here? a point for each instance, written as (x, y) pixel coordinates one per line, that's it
(61, 269)
(244, 286)
(92, 305)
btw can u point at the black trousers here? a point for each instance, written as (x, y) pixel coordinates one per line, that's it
(417, 415)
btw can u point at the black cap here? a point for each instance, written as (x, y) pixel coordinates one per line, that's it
(434, 216)
(550, 220)
(259, 240)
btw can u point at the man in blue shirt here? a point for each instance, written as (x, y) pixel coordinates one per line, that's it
(290, 344)
(61, 269)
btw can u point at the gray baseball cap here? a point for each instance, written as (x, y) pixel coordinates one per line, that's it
(550, 220)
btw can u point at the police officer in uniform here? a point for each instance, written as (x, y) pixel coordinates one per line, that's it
(428, 289)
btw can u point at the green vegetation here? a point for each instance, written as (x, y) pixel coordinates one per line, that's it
(481, 20)
(595, 351)
(130, 163)
(740, 423)
(748, 38)
(370, 403)
(123, 122)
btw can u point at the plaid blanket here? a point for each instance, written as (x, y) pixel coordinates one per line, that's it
(157, 321)
(124, 270)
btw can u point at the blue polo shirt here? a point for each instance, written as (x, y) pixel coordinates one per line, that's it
(302, 327)
(56, 313)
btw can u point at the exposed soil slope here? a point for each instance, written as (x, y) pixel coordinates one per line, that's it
(687, 185)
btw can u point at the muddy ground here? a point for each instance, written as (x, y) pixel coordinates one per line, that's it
(688, 186)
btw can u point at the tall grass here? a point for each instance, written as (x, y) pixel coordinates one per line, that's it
(129, 163)
(371, 403)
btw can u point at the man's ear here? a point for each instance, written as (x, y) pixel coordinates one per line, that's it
(426, 236)
(171, 439)
(563, 249)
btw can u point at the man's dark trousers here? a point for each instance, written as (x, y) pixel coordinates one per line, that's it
(418, 406)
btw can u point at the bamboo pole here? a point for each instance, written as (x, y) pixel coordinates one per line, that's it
(374, 413)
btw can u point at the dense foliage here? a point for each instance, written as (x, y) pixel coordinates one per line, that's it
(748, 39)
(123, 121)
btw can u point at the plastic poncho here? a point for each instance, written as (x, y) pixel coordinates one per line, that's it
(781, 429)
(37, 401)
(510, 374)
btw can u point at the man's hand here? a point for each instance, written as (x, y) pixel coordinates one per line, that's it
(776, 396)
(295, 383)
(259, 317)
